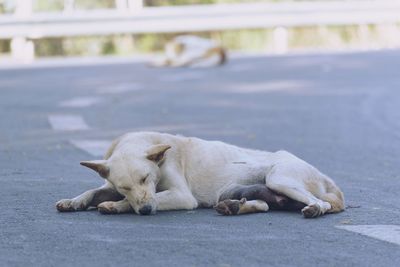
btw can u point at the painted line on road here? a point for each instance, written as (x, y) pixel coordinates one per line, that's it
(95, 148)
(388, 233)
(287, 86)
(80, 102)
(180, 77)
(120, 88)
(67, 123)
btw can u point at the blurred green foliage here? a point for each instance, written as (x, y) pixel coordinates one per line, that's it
(7, 6)
(58, 5)
(261, 40)
(4, 46)
(178, 2)
(195, 2)
(48, 6)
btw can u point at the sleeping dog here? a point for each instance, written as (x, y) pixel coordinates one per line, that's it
(189, 50)
(145, 172)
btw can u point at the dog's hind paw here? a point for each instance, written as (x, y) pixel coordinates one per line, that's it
(65, 205)
(311, 211)
(228, 207)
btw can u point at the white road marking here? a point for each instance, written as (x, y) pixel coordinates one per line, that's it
(388, 233)
(179, 77)
(67, 123)
(120, 88)
(96, 148)
(80, 102)
(269, 86)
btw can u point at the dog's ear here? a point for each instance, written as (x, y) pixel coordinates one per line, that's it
(157, 153)
(243, 200)
(99, 166)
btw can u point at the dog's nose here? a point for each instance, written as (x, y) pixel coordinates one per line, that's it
(145, 210)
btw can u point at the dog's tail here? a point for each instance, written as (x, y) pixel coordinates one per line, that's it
(333, 195)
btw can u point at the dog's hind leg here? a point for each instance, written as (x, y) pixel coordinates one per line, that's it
(236, 207)
(295, 190)
(90, 198)
(261, 192)
(228, 200)
(217, 51)
(333, 195)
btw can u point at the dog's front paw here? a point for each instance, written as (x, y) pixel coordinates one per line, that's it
(228, 207)
(107, 207)
(311, 211)
(69, 205)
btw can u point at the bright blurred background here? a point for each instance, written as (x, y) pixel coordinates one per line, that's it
(34, 29)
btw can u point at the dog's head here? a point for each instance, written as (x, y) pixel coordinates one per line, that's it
(134, 176)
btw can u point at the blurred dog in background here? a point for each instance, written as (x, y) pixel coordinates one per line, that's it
(190, 50)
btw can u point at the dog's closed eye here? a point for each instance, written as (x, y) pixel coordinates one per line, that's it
(126, 188)
(143, 180)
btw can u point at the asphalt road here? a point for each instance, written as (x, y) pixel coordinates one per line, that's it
(339, 112)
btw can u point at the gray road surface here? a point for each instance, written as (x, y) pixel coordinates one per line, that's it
(338, 112)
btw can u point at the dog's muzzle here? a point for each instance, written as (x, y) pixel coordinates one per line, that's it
(145, 210)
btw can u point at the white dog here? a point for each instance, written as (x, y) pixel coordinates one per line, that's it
(146, 171)
(188, 50)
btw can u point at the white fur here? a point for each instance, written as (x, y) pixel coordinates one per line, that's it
(189, 50)
(192, 172)
(253, 206)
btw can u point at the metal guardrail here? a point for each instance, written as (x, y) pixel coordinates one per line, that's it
(200, 18)
(196, 18)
